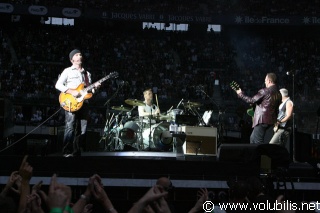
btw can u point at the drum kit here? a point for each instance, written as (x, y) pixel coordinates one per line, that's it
(146, 133)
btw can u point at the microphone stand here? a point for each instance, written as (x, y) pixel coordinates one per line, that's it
(220, 125)
(293, 124)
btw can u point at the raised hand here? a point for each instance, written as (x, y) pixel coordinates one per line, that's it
(153, 194)
(25, 170)
(202, 195)
(160, 205)
(59, 194)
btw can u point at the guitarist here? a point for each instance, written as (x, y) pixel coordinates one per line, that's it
(285, 114)
(267, 101)
(75, 122)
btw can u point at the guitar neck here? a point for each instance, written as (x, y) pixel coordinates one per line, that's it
(234, 85)
(90, 87)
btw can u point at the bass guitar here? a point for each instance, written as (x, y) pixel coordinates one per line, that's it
(71, 104)
(276, 125)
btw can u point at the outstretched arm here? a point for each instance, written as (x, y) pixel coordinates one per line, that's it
(25, 172)
(251, 100)
(12, 180)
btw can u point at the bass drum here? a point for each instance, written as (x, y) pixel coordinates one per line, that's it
(129, 133)
(160, 136)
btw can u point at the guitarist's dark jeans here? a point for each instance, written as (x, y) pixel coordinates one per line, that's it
(258, 133)
(75, 129)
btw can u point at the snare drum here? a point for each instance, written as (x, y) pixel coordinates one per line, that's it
(159, 136)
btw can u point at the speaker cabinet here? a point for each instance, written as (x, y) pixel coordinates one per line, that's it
(279, 155)
(238, 153)
(200, 140)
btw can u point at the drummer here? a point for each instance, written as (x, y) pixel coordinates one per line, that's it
(149, 108)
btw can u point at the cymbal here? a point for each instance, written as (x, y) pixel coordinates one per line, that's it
(134, 102)
(121, 108)
(192, 104)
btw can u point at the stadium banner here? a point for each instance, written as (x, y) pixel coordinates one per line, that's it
(90, 13)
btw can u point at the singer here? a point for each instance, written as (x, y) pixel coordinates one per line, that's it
(149, 108)
(267, 101)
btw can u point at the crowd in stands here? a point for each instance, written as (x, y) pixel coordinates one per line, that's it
(250, 194)
(206, 7)
(174, 64)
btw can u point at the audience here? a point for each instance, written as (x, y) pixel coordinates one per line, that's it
(175, 64)
(19, 196)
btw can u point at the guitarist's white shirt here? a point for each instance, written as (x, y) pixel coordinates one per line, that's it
(71, 78)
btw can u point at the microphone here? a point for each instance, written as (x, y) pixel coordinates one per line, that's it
(179, 103)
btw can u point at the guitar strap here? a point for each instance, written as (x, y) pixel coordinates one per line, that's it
(86, 79)
(282, 112)
(284, 104)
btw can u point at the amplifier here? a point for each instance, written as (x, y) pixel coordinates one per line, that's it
(200, 140)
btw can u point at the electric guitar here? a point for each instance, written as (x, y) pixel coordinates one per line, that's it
(235, 86)
(70, 103)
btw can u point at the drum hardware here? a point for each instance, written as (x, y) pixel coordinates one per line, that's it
(113, 129)
(150, 142)
(134, 102)
(111, 133)
(109, 121)
(190, 108)
(114, 141)
(174, 112)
